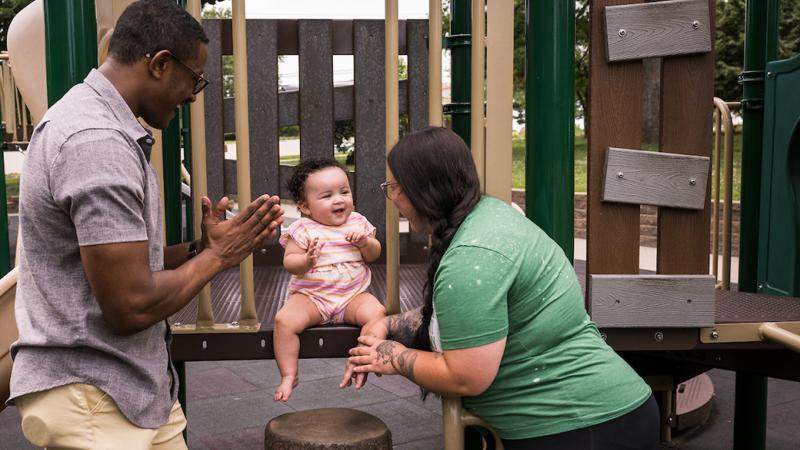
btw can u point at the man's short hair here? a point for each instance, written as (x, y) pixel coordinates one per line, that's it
(149, 26)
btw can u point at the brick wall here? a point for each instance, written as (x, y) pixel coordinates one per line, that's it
(648, 227)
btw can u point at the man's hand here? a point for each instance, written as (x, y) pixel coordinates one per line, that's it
(233, 240)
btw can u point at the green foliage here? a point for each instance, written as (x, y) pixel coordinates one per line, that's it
(9, 9)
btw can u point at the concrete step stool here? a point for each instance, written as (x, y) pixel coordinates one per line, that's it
(327, 429)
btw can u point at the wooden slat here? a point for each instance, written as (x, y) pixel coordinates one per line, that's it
(215, 144)
(615, 113)
(638, 301)
(658, 29)
(370, 115)
(262, 75)
(289, 106)
(288, 38)
(316, 88)
(651, 178)
(417, 44)
(687, 92)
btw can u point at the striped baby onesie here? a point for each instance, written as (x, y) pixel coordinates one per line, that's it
(340, 273)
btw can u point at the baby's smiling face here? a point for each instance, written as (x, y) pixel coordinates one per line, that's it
(328, 198)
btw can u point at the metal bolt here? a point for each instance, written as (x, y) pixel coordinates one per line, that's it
(659, 336)
(760, 287)
(234, 324)
(622, 33)
(692, 181)
(620, 175)
(670, 420)
(263, 251)
(696, 24)
(715, 334)
(769, 74)
(177, 324)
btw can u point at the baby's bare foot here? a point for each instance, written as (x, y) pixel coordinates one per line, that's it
(284, 390)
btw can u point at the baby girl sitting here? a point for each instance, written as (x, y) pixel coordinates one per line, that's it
(326, 251)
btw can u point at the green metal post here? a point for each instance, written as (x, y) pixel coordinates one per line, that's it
(760, 46)
(550, 118)
(5, 254)
(70, 44)
(171, 144)
(459, 43)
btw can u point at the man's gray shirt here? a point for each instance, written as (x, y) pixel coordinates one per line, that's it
(86, 181)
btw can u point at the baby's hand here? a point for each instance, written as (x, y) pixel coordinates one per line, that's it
(357, 239)
(312, 253)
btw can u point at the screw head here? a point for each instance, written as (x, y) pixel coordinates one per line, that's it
(659, 336)
(620, 175)
(692, 181)
(715, 334)
(234, 324)
(622, 32)
(696, 24)
(263, 251)
(177, 324)
(769, 74)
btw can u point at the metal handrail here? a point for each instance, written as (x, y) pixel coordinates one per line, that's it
(723, 121)
(456, 418)
(773, 332)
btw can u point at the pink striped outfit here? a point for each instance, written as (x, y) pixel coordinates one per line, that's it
(340, 273)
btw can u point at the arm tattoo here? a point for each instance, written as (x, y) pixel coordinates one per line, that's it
(403, 327)
(405, 364)
(385, 351)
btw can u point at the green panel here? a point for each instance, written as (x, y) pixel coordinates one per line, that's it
(779, 229)
(70, 44)
(550, 118)
(171, 138)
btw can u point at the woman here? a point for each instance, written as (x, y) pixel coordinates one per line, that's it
(503, 324)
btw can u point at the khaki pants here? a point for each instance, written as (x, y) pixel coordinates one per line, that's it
(81, 416)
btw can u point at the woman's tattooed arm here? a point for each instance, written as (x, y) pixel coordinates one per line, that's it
(403, 327)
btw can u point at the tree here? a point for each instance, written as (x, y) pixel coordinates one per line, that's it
(9, 9)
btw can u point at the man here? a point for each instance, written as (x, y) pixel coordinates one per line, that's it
(91, 366)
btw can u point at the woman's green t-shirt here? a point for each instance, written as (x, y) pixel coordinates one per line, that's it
(502, 276)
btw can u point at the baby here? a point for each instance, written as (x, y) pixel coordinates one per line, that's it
(326, 251)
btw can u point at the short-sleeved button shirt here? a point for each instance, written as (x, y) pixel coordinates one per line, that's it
(86, 181)
(503, 277)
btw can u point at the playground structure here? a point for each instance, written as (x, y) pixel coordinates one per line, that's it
(671, 326)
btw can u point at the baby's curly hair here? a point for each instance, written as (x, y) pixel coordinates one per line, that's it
(296, 183)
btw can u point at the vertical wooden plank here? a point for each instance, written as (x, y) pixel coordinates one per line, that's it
(417, 49)
(262, 70)
(499, 98)
(369, 117)
(615, 116)
(215, 143)
(316, 87)
(687, 94)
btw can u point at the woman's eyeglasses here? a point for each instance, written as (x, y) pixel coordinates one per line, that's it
(200, 82)
(387, 188)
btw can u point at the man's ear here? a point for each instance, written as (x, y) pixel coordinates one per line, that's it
(157, 63)
(303, 207)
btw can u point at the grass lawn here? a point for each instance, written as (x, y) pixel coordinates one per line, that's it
(518, 164)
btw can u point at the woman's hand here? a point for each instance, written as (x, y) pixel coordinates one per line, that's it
(379, 356)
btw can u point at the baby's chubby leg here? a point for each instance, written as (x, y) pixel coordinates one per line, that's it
(363, 309)
(297, 314)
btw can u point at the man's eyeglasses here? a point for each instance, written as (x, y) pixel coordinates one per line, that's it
(387, 188)
(200, 82)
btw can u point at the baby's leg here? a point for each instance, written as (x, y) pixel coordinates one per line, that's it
(297, 314)
(362, 309)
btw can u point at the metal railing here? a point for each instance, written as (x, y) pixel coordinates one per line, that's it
(723, 143)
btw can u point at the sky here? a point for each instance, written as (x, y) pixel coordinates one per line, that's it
(329, 9)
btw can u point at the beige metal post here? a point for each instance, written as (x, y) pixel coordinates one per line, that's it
(499, 98)
(392, 134)
(247, 316)
(477, 123)
(716, 156)
(205, 313)
(435, 63)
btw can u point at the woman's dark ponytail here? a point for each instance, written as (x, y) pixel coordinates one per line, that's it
(435, 170)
